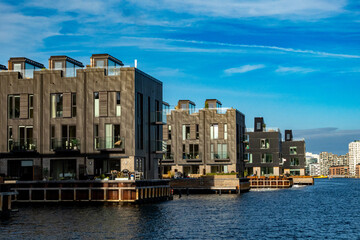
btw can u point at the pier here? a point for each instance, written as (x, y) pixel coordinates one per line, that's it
(115, 191)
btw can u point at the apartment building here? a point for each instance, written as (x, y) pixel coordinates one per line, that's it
(310, 159)
(263, 150)
(314, 169)
(354, 156)
(327, 160)
(339, 171)
(205, 141)
(69, 122)
(293, 153)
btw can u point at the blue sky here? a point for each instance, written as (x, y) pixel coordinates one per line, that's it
(295, 63)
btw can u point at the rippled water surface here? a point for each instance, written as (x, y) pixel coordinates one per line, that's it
(328, 210)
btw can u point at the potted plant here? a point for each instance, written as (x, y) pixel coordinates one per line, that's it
(75, 143)
(45, 174)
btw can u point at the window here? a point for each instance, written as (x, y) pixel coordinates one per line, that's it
(69, 140)
(52, 137)
(267, 171)
(168, 154)
(293, 150)
(63, 169)
(139, 165)
(194, 151)
(264, 143)
(73, 104)
(186, 132)
(10, 138)
(26, 138)
(70, 69)
(96, 136)
(118, 106)
(222, 151)
(248, 157)
(56, 105)
(112, 136)
(169, 132)
(100, 63)
(197, 131)
(214, 131)
(266, 158)
(212, 151)
(184, 152)
(31, 106)
(294, 162)
(192, 108)
(13, 106)
(58, 66)
(258, 126)
(96, 104)
(225, 131)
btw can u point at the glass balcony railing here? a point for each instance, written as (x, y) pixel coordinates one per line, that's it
(115, 143)
(110, 71)
(220, 155)
(159, 146)
(23, 144)
(191, 156)
(158, 117)
(65, 144)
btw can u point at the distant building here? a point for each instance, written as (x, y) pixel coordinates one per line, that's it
(209, 140)
(310, 159)
(293, 151)
(339, 171)
(314, 169)
(327, 160)
(354, 156)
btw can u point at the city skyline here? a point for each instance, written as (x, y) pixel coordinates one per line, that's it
(295, 64)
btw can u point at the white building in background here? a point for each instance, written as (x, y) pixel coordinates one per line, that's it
(310, 158)
(354, 156)
(314, 169)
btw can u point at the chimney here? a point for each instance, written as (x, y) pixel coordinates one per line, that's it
(259, 124)
(288, 135)
(135, 63)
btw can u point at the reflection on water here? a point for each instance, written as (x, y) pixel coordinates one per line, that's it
(329, 209)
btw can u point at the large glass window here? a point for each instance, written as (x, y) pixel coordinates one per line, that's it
(267, 171)
(294, 162)
(63, 169)
(31, 106)
(100, 63)
(96, 104)
(58, 65)
(106, 166)
(293, 150)
(70, 69)
(222, 151)
(112, 136)
(214, 131)
(266, 158)
(118, 104)
(69, 140)
(194, 151)
(56, 105)
(264, 143)
(186, 132)
(14, 106)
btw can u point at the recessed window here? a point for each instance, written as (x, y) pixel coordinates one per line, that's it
(197, 131)
(266, 158)
(169, 132)
(31, 106)
(293, 150)
(225, 131)
(294, 162)
(214, 131)
(13, 106)
(186, 132)
(73, 104)
(264, 143)
(56, 105)
(118, 106)
(96, 104)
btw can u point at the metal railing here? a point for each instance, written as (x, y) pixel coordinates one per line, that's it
(168, 156)
(220, 155)
(64, 144)
(158, 146)
(110, 143)
(23, 144)
(265, 129)
(191, 156)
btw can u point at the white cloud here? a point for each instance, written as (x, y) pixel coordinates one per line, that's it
(243, 69)
(282, 69)
(283, 9)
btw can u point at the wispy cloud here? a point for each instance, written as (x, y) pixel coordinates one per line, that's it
(204, 46)
(282, 69)
(284, 9)
(243, 69)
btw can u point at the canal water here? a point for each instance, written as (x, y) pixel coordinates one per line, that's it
(328, 210)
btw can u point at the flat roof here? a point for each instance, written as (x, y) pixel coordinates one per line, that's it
(69, 59)
(27, 60)
(108, 56)
(186, 100)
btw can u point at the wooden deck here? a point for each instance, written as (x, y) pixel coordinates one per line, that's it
(132, 191)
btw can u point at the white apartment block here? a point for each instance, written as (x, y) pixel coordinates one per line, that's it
(354, 156)
(314, 169)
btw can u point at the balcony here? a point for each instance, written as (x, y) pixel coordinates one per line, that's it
(220, 157)
(158, 146)
(168, 158)
(65, 144)
(23, 145)
(110, 143)
(158, 117)
(192, 157)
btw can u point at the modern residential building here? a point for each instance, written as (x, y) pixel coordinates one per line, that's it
(2, 67)
(293, 153)
(327, 160)
(66, 122)
(208, 140)
(269, 155)
(263, 150)
(339, 171)
(310, 158)
(354, 156)
(314, 169)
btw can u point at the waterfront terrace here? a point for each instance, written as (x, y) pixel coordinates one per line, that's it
(73, 122)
